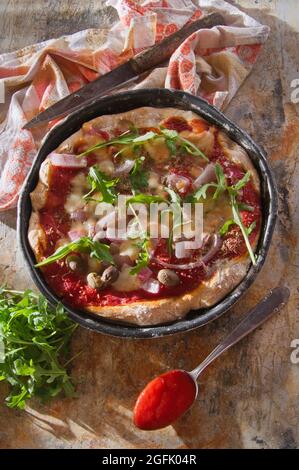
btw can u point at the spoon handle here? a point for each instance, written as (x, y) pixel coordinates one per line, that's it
(252, 320)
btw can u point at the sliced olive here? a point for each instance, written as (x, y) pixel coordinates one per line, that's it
(75, 263)
(110, 275)
(168, 278)
(95, 281)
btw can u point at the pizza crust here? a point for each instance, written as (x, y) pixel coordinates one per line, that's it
(154, 312)
(145, 313)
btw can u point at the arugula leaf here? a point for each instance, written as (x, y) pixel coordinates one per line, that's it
(191, 148)
(171, 146)
(174, 197)
(221, 181)
(36, 339)
(143, 257)
(135, 227)
(100, 182)
(251, 227)
(84, 245)
(145, 199)
(145, 137)
(169, 133)
(173, 136)
(238, 221)
(220, 186)
(100, 251)
(201, 193)
(138, 176)
(245, 207)
(242, 182)
(226, 226)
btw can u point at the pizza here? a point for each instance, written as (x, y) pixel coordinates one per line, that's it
(145, 157)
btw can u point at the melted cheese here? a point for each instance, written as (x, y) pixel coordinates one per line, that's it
(107, 167)
(157, 149)
(215, 213)
(126, 282)
(204, 141)
(129, 248)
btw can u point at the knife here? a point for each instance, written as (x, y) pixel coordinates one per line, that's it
(123, 74)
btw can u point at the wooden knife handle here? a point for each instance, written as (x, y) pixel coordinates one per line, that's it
(158, 53)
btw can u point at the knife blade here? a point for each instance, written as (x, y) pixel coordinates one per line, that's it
(124, 73)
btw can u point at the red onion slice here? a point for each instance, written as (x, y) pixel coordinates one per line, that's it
(66, 160)
(124, 168)
(76, 234)
(207, 176)
(152, 286)
(216, 245)
(145, 274)
(178, 182)
(79, 215)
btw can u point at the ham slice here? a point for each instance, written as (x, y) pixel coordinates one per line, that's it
(66, 160)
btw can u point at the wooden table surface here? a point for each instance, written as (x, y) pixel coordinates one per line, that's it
(250, 397)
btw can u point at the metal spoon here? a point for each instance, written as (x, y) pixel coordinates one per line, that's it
(254, 318)
(177, 383)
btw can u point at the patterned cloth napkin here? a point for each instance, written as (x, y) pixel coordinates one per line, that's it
(210, 63)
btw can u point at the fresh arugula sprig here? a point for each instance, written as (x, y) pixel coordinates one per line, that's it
(238, 220)
(138, 176)
(99, 182)
(124, 139)
(226, 226)
(96, 249)
(143, 257)
(127, 138)
(233, 191)
(220, 186)
(172, 139)
(35, 339)
(144, 199)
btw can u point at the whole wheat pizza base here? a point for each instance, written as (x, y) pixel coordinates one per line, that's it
(227, 273)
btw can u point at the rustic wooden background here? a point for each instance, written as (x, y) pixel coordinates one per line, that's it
(250, 397)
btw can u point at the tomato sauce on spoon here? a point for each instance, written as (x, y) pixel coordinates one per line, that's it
(170, 395)
(164, 400)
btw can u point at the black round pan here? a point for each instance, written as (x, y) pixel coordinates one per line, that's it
(124, 102)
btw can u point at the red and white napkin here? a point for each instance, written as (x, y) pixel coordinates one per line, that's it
(210, 63)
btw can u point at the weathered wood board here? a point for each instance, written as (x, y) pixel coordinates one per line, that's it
(248, 398)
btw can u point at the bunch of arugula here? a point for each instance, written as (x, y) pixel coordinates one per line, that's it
(35, 341)
(220, 187)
